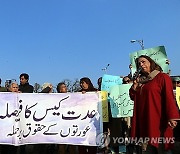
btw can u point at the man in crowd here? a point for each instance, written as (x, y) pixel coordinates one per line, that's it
(24, 86)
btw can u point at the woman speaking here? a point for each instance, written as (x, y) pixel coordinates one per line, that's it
(155, 110)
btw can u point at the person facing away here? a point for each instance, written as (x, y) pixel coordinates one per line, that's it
(155, 110)
(24, 86)
(47, 88)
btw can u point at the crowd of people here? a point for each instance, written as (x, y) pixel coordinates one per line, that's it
(155, 114)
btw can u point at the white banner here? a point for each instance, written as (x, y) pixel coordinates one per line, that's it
(71, 118)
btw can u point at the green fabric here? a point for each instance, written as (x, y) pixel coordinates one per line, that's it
(3, 89)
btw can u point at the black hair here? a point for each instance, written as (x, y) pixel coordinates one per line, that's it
(26, 76)
(59, 85)
(90, 85)
(99, 81)
(153, 64)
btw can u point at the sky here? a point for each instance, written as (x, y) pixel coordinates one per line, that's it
(53, 40)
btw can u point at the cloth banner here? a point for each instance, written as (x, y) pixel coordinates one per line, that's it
(71, 118)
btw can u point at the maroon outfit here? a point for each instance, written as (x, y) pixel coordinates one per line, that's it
(154, 105)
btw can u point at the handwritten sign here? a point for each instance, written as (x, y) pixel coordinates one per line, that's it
(104, 98)
(71, 118)
(110, 80)
(120, 102)
(158, 54)
(178, 96)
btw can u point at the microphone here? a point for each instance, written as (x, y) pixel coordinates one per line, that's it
(137, 73)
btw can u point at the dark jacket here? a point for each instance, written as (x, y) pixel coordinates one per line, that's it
(26, 88)
(46, 90)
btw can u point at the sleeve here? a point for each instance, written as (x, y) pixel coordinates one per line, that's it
(168, 98)
(29, 89)
(132, 93)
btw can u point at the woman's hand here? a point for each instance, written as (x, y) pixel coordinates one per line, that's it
(83, 92)
(135, 81)
(135, 84)
(172, 123)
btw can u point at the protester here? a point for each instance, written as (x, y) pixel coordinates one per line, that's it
(47, 88)
(87, 86)
(127, 79)
(106, 130)
(175, 81)
(176, 149)
(61, 88)
(119, 128)
(45, 148)
(155, 111)
(64, 148)
(13, 87)
(24, 86)
(99, 81)
(10, 149)
(130, 148)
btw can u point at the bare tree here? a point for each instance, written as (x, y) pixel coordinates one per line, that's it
(75, 86)
(72, 86)
(37, 87)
